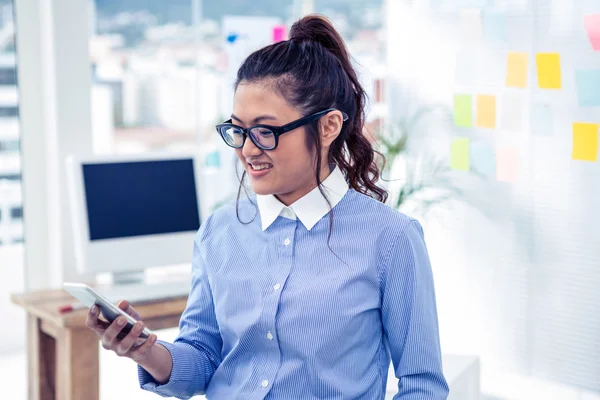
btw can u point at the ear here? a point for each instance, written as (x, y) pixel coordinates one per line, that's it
(331, 126)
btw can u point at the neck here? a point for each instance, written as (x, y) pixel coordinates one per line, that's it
(290, 198)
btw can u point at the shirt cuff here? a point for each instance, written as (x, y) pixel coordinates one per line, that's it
(186, 361)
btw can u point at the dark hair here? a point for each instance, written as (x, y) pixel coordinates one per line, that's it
(313, 71)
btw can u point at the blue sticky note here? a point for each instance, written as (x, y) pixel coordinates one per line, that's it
(213, 159)
(588, 87)
(494, 26)
(483, 159)
(542, 120)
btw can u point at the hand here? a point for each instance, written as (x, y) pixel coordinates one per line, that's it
(109, 333)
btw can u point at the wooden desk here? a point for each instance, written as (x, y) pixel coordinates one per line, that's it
(63, 354)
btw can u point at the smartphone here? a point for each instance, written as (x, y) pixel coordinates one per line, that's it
(89, 297)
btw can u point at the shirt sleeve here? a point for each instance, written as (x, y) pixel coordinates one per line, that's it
(196, 351)
(409, 317)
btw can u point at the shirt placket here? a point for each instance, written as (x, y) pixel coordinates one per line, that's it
(284, 248)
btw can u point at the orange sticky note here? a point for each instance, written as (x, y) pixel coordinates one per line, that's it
(486, 111)
(585, 141)
(516, 71)
(548, 70)
(507, 164)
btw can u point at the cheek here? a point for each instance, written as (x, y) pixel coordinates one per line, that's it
(292, 156)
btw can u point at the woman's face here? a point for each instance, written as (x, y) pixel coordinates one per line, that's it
(288, 171)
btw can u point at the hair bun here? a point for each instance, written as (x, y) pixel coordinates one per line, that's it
(319, 29)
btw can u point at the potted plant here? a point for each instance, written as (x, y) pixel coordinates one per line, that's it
(416, 180)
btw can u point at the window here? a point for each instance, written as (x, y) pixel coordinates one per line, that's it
(11, 206)
(163, 71)
(9, 112)
(9, 146)
(16, 213)
(8, 77)
(11, 177)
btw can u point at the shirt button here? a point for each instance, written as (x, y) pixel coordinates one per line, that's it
(265, 383)
(269, 335)
(287, 241)
(277, 286)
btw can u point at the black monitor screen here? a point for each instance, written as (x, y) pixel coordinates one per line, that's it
(140, 198)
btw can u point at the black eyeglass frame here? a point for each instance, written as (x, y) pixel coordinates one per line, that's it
(277, 130)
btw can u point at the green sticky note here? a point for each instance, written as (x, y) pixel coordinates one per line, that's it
(459, 154)
(463, 110)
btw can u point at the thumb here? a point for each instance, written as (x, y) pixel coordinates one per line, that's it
(125, 306)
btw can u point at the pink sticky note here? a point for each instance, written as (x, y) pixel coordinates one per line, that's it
(592, 26)
(279, 33)
(507, 164)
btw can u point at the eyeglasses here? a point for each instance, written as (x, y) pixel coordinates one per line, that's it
(265, 137)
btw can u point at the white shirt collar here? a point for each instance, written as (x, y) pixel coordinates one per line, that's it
(310, 208)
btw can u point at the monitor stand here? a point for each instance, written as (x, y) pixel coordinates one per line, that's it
(127, 278)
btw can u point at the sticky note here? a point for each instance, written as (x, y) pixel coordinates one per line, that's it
(542, 119)
(470, 23)
(466, 69)
(494, 26)
(588, 87)
(483, 159)
(486, 111)
(548, 70)
(585, 141)
(592, 26)
(459, 154)
(513, 112)
(491, 67)
(463, 110)
(507, 164)
(213, 159)
(279, 33)
(516, 70)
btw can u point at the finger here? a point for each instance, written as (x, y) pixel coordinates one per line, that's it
(125, 306)
(93, 322)
(138, 352)
(128, 341)
(109, 338)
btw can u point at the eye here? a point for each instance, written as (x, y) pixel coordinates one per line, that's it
(265, 132)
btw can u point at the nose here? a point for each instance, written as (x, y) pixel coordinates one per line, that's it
(250, 150)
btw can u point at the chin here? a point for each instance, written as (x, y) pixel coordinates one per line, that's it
(260, 188)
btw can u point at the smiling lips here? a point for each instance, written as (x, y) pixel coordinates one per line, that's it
(260, 167)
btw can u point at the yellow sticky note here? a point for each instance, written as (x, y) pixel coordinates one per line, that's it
(486, 111)
(548, 70)
(507, 164)
(459, 154)
(516, 71)
(585, 141)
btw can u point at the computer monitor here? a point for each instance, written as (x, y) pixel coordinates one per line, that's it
(133, 212)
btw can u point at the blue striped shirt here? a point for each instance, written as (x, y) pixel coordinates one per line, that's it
(275, 312)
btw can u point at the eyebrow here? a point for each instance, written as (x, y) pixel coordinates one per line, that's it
(257, 119)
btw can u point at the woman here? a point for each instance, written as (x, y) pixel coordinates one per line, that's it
(307, 290)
